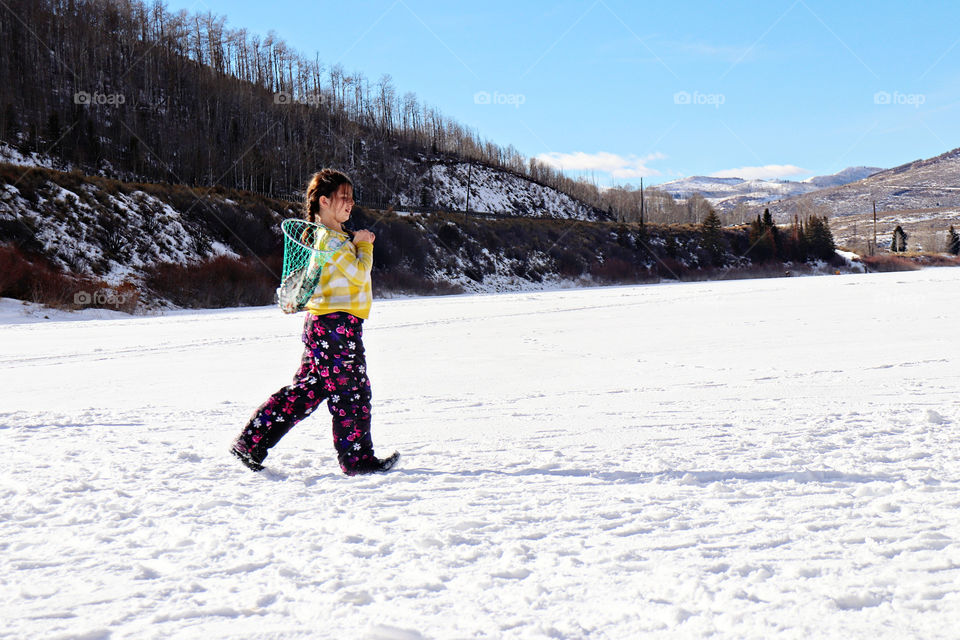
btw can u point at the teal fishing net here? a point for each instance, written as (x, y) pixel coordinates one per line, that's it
(304, 254)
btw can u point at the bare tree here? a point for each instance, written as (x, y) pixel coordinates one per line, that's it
(199, 106)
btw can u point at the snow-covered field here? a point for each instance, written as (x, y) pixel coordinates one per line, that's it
(748, 459)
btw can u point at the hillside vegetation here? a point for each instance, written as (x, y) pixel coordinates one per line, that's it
(136, 245)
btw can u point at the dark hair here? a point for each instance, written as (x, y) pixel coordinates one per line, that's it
(325, 182)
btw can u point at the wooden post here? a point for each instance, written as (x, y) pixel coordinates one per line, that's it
(873, 249)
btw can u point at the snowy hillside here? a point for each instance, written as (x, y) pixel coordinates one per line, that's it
(444, 186)
(117, 232)
(922, 184)
(726, 193)
(114, 236)
(848, 175)
(430, 185)
(13, 156)
(927, 229)
(755, 471)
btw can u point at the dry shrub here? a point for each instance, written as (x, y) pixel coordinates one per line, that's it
(671, 268)
(620, 271)
(761, 270)
(614, 270)
(937, 260)
(34, 279)
(216, 283)
(409, 282)
(60, 290)
(888, 262)
(14, 268)
(128, 296)
(568, 263)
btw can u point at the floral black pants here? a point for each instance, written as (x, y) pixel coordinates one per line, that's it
(333, 368)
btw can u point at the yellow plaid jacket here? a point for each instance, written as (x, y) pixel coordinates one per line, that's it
(345, 278)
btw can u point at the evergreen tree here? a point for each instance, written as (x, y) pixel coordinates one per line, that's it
(899, 242)
(953, 242)
(819, 238)
(762, 245)
(712, 230)
(767, 219)
(33, 138)
(799, 248)
(671, 246)
(774, 232)
(52, 132)
(426, 197)
(133, 153)
(11, 126)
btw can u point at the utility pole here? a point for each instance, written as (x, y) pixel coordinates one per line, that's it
(469, 174)
(873, 248)
(641, 204)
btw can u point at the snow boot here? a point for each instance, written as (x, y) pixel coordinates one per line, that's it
(249, 459)
(367, 465)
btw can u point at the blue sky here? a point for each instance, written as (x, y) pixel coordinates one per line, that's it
(619, 90)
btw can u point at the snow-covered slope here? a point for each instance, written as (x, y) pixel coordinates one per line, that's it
(426, 184)
(610, 463)
(922, 184)
(848, 175)
(725, 193)
(444, 186)
(114, 236)
(927, 229)
(11, 155)
(119, 232)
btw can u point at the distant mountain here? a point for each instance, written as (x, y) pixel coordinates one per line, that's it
(848, 175)
(933, 183)
(726, 193)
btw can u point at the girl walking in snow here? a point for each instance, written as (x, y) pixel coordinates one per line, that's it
(333, 367)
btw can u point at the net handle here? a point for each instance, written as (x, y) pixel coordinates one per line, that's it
(289, 228)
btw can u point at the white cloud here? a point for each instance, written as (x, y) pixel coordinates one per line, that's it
(765, 172)
(630, 166)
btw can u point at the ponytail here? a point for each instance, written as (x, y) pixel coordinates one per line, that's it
(324, 183)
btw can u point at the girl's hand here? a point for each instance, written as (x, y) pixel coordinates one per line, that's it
(364, 236)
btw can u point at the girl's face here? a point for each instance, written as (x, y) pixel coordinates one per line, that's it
(337, 207)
